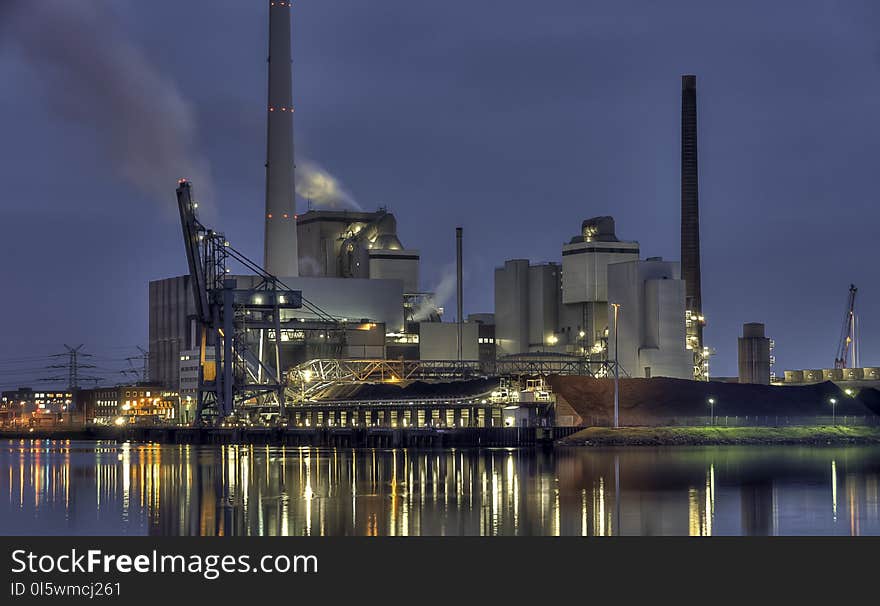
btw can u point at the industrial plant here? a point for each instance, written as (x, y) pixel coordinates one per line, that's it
(332, 328)
(336, 309)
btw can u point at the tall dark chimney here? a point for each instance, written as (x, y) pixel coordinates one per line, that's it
(690, 208)
(459, 290)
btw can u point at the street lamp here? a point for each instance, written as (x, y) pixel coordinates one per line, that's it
(711, 402)
(616, 307)
(833, 402)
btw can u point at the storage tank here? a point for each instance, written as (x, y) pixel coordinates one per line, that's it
(794, 376)
(813, 376)
(832, 374)
(853, 374)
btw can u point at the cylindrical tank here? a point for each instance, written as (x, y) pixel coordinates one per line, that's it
(813, 376)
(832, 374)
(853, 374)
(794, 376)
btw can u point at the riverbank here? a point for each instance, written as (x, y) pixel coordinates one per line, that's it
(331, 437)
(712, 436)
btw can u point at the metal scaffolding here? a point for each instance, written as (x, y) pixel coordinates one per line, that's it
(312, 377)
(245, 326)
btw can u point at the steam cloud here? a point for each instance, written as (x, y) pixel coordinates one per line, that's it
(94, 75)
(443, 293)
(322, 189)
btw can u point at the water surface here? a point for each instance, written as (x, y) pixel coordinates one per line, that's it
(108, 488)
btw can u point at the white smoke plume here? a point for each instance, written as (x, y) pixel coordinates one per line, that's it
(322, 189)
(443, 293)
(93, 74)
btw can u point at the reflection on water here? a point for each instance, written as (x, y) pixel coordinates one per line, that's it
(63, 487)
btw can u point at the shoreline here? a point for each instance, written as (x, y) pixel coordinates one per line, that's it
(671, 436)
(723, 436)
(342, 437)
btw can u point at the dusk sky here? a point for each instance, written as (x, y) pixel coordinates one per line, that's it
(514, 119)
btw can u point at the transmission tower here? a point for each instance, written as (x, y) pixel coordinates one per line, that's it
(144, 356)
(73, 366)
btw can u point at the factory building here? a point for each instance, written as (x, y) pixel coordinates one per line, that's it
(351, 265)
(754, 355)
(526, 307)
(585, 262)
(99, 405)
(370, 309)
(650, 333)
(189, 371)
(439, 341)
(560, 308)
(348, 244)
(172, 328)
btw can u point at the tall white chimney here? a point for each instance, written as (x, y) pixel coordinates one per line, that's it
(280, 253)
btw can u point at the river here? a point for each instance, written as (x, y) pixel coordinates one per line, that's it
(58, 487)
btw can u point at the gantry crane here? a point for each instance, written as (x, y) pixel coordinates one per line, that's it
(848, 346)
(245, 326)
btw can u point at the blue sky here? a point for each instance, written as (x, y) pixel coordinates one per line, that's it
(516, 120)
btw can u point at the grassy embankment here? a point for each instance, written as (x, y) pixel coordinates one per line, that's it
(700, 436)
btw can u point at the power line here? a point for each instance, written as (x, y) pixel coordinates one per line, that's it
(73, 366)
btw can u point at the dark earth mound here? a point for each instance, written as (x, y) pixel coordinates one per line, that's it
(660, 401)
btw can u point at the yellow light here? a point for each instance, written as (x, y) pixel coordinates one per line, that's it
(119, 421)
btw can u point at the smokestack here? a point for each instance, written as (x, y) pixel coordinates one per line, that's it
(459, 294)
(280, 253)
(690, 208)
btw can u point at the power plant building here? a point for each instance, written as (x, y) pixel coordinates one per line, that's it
(527, 300)
(374, 306)
(585, 262)
(754, 357)
(354, 244)
(650, 335)
(439, 341)
(560, 308)
(350, 265)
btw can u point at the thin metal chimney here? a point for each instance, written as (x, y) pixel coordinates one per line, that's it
(280, 252)
(690, 223)
(459, 294)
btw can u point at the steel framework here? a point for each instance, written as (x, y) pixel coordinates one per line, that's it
(578, 366)
(245, 326)
(314, 376)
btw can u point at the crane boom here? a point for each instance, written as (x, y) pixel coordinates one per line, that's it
(847, 346)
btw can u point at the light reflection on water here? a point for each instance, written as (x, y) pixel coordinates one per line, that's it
(63, 487)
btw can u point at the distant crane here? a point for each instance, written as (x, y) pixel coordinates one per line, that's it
(848, 345)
